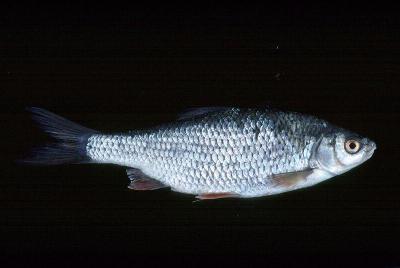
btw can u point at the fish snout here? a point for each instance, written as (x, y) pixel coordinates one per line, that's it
(370, 148)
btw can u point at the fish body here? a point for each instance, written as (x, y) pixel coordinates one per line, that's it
(217, 152)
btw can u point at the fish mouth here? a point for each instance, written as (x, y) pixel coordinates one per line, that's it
(371, 147)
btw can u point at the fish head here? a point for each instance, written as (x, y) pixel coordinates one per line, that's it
(340, 150)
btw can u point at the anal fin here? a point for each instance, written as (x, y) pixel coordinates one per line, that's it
(142, 182)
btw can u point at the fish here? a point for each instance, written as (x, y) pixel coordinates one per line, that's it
(213, 152)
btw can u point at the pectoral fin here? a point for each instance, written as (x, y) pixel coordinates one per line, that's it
(142, 182)
(291, 178)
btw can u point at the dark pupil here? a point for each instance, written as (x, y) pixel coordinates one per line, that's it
(352, 145)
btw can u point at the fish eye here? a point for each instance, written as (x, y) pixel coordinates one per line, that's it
(352, 146)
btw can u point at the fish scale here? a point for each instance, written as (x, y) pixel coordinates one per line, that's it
(236, 150)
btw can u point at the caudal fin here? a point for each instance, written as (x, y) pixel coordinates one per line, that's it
(70, 140)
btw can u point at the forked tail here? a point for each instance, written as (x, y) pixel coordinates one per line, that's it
(70, 140)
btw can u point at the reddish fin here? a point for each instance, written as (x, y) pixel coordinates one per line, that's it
(216, 196)
(145, 184)
(142, 182)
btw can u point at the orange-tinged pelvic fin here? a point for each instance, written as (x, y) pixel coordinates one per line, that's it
(291, 178)
(216, 196)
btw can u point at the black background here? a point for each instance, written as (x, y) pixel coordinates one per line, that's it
(119, 68)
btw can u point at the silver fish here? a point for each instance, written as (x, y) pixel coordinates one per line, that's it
(214, 152)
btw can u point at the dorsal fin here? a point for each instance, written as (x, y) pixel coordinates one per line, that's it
(200, 111)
